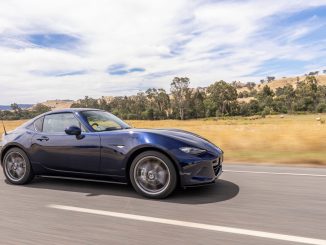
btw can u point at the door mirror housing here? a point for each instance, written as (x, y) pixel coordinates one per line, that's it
(73, 130)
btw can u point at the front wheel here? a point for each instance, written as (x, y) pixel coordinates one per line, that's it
(17, 167)
(153, 175)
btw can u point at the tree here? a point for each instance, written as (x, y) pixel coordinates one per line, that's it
(197, 104)
(15, 107)
(253, 107)
(159, 101)
(248, 109)
(265, 98)
(306, 94)
(245, 94)
(321, 93)
(103, 104)
(180, 92)
(285, 96)
(220, 97)
(321, 97)
(87, 102)
(265, 92)
(238, 84)
(148, 114)
(250, 85)
(321, 107)
(41, 108)
(253, 93)
(269, 79)
(18, 112)
(121, 106)
(313, 73)
(138, 105)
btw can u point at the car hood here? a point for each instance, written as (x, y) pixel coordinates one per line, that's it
(184, 136)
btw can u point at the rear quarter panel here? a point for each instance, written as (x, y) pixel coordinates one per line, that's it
(21, 138)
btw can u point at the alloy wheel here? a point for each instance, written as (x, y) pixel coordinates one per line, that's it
(15, 166)
(152, 175)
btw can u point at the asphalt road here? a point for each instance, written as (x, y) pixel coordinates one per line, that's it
(288, 204)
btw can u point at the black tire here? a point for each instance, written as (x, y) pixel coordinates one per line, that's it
(27, 175)
(167, 176)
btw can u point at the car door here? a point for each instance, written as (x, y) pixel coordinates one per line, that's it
(56, 150)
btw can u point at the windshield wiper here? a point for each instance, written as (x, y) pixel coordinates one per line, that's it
(111, 129)
(114, 128)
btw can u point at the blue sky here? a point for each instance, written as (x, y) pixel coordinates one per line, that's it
(118, 48)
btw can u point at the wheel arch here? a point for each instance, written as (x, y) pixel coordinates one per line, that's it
(138, 151)
(10, 146)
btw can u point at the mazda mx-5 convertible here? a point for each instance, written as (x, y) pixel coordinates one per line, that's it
(94, 144)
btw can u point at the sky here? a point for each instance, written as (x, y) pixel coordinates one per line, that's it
(67, 49)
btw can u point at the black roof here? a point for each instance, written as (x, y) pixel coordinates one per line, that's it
(71, 110)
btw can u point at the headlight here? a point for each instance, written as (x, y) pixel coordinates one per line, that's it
(192, 150)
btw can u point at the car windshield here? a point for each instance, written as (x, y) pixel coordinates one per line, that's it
(103, 121)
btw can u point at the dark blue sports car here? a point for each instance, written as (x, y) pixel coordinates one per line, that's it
(94, 144)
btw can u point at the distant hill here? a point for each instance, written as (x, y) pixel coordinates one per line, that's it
(62, 104)
(281, 82)
(8, 108)
(58, 104)
(321, 79)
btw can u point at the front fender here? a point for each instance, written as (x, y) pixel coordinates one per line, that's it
(146, 147)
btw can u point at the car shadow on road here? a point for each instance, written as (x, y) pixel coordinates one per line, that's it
(222, 190)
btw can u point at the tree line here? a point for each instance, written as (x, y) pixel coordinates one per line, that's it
(17, 113)
(217, 100)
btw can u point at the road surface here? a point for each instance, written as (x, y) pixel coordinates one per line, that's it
(249, 205)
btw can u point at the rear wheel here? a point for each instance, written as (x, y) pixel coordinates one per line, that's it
(153, 175)
(17, 167)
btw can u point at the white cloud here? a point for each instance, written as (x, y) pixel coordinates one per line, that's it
(204, 40)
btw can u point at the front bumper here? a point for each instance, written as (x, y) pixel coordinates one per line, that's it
(202, 173)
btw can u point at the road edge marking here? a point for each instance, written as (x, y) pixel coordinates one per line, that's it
(225, 229)
(274, 173)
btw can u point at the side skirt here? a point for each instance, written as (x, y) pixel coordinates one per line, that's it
(83, 179)
(40, 170)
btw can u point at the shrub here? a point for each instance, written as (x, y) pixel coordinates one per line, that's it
(321, 107)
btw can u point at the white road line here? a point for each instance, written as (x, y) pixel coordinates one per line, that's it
(275, 173)
(262, 234)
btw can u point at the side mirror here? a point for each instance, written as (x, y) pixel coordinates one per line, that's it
(73, 130)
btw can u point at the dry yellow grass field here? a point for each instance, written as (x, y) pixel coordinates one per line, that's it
(298, 139)
(10, 125)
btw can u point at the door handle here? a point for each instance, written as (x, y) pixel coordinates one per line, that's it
(43, 138)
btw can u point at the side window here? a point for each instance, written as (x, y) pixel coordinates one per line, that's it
(38, 124)
(57, 123)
